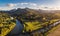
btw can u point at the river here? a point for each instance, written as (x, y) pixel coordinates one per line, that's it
(17, 29)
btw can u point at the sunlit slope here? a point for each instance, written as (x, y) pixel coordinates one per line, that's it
(5, 31)
(32, 26)
(7, 23)
(35, 25)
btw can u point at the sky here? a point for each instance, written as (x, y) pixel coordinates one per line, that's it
(33, 4)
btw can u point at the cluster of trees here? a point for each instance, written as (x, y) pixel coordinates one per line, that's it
(42, 17)
(5, 21)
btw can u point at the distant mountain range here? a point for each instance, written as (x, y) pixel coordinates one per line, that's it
(27, 10)
(28, 13)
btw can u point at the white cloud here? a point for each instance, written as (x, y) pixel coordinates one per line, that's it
(5, 8)
(10, 6)
(33, 4)
(24, 3)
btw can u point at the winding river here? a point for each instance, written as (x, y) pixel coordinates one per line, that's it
(17, 29)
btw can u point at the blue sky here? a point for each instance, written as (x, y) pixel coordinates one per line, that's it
(31, 1)
(34, 4)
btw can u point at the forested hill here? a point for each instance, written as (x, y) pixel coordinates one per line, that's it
(33, 14)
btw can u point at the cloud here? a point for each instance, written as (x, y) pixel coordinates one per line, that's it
(48, 7)
(10, 5)
(31, 4)
(24, 3)
(5, 8)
